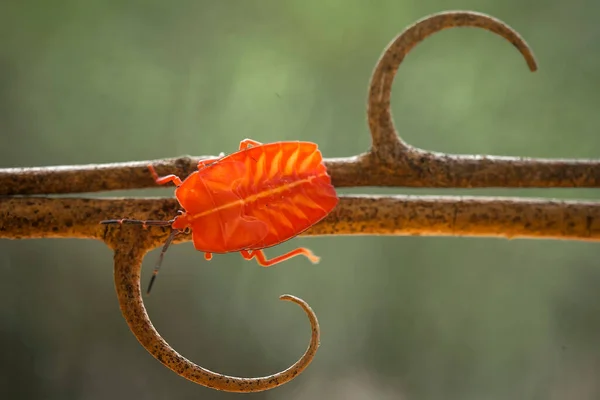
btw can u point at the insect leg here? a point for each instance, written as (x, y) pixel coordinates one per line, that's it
(206, 163)
(244, 144)
(164, 179)
(261, 259)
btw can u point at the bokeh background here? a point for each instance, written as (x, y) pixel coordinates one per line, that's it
(401, 317)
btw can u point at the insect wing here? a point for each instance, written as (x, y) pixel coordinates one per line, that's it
(292, 189)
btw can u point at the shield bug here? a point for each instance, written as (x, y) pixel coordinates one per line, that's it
(255, 198)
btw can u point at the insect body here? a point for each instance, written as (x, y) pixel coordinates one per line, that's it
(258, 197)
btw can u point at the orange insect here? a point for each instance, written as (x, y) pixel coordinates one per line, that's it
(250, 200)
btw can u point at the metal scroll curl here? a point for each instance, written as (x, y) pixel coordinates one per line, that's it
(127, 273)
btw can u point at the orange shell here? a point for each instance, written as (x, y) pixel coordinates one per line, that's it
(256, 198)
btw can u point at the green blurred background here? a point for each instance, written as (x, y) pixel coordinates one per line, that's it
(401, 317)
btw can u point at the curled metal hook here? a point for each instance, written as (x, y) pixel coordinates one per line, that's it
(381, 123)
(127, 272)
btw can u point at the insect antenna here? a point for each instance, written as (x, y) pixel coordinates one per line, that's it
(174, 233)
(142, 222)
